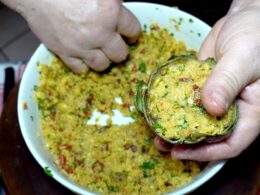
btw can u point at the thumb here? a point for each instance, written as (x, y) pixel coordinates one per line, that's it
(234, 70)
(207, 49)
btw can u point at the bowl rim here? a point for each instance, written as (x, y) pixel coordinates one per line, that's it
(211, 169)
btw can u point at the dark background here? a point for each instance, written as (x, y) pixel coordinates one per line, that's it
(206, 10)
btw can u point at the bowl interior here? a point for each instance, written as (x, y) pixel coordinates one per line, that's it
(191, 30)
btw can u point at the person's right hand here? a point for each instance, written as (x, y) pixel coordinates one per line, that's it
(83, 33)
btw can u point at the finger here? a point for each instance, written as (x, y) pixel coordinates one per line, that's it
(128, 25)
(231, 74)
(162, 145)
(115, 48)
(75, 64)
(245, 133)
(96, 60)
(208, 47)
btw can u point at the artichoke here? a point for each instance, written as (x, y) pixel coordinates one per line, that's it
(171, 103)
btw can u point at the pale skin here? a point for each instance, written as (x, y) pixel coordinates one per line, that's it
(85, 34)
(235, 42)
(90, 34)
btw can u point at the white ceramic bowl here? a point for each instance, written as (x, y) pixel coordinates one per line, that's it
(192, 31)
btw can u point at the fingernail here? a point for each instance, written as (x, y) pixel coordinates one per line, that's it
(219, 100)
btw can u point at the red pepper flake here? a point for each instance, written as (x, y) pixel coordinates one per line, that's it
(67, 147)
(126, 105)
(133, 80)
(79, 163)
(198, 102)
(197, 95)
(86, 113)
(25, 106)
(186, 80)
(131, 93)
(63, 160)
(69, 170)
(195, 87)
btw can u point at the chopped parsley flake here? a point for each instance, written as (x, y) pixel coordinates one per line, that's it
(148, 140)
(181, 67)
(134, 115)
(157, 108)
(145, 175)
(132, 47)
(40, 103)
(142, 67)
(66, 70)
(47, 171)
(202, 109)
(158, 126)
(194, 106)
(191, 20)
(184, 124)
(147, 165)
(165, 94)
(112, 188)
(35, 87)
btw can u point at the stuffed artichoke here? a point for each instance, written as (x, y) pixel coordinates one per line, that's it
(171, 103)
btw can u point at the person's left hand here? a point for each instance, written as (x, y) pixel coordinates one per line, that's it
(235, 42)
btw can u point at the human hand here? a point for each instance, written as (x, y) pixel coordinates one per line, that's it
(83, 33)
(235, 42)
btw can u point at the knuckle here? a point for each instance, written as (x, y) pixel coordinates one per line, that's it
(98, 63)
